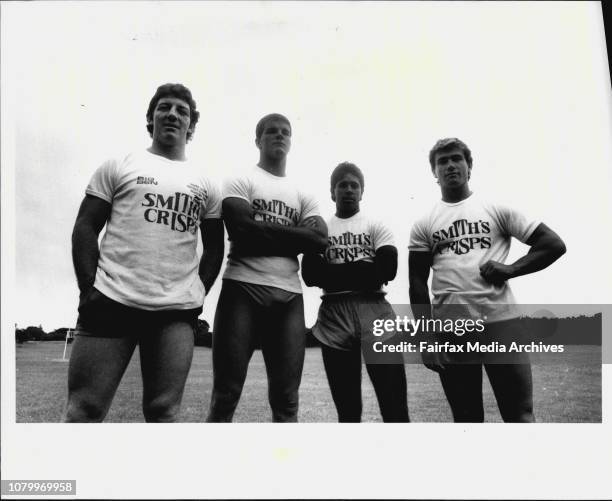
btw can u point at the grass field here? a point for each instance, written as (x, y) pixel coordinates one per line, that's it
(568, 393)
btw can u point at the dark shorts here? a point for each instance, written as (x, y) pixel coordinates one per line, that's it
(101, 316)
(265, 295)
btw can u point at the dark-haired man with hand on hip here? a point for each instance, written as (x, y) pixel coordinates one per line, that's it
(465, 240)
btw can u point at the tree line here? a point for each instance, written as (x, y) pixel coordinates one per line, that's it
(202, 335)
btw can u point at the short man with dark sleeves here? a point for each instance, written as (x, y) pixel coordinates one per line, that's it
(145, 284)
(269, 221)
(359, 260)
(465, 240)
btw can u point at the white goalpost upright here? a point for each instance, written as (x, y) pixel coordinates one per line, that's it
(69, 335)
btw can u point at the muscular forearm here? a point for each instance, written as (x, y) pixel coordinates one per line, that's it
(313, 270)
(419, 299)
(358, 276)
(253, 247)
(85, 254)
(419, 265)
(210, 265)
(421, 308)
(539, 257)
(260, 238)
(213, 245)
(545, 247)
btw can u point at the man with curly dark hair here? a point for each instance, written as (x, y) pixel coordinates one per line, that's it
(145, 284)
(177, 91)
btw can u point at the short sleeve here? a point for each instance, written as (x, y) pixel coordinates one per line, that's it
(309, 207)
(381, 235)
(212, 209)
(238, 187)
(516, 224)
(104, 181)
(418, 238)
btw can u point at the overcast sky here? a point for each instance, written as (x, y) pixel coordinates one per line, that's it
(525, 85)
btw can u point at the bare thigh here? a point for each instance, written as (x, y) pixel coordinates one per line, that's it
(96, 367)
(343, 370)
(165, 360)
(513, 389)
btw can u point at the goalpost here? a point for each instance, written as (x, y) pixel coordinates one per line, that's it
(69, 335)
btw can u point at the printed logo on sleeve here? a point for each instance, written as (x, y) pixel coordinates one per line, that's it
(145, 180)
(462, 237)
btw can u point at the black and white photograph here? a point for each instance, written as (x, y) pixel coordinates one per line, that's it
(250, 248)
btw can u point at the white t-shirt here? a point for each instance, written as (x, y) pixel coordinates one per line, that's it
(148, 255)
(274, 200)
(356, 238)
(462, 236)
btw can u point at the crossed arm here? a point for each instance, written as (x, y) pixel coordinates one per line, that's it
(259, 238)
(357, 276)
